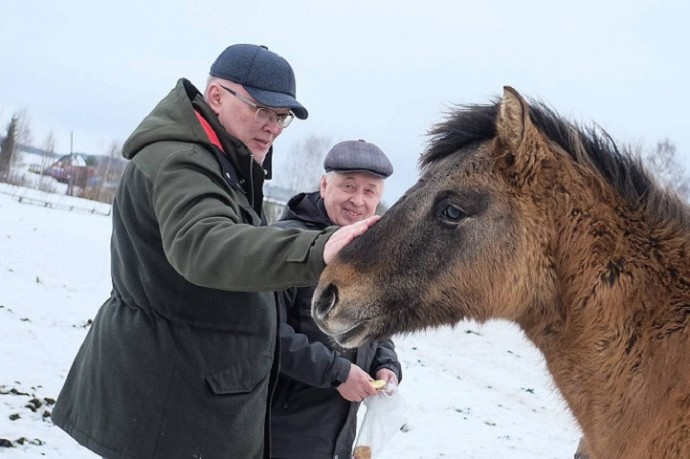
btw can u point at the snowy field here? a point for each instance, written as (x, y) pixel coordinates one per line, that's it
(472, 391)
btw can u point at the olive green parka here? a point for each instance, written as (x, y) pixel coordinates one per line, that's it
(180, 361)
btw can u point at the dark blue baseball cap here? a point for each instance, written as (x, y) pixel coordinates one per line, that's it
(264, 74)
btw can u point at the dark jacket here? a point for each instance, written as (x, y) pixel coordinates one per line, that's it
(310, 419)
(179, 361)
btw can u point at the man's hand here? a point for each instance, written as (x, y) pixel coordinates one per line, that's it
(387, 375)
(358, 386)
(345, 235)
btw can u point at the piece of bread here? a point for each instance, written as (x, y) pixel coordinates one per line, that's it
(378, 384)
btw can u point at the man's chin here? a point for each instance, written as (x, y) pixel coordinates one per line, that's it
(259, 156)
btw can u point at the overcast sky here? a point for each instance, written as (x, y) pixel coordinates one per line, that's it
(381, 70)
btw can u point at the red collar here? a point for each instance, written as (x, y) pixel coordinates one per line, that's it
(212, 136)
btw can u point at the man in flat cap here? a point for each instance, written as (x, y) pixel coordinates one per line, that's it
(180, 360)
(314, 412)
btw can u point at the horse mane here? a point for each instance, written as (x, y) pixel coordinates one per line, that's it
(591, 147)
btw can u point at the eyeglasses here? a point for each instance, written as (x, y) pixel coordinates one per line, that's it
(265, 115)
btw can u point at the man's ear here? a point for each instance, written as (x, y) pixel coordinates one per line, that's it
(323, 184)
(213, 98)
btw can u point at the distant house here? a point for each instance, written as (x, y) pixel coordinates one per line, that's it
(71, 168)
(85, 168)
(102, 173)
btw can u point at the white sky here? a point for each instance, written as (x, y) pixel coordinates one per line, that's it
(380, 70)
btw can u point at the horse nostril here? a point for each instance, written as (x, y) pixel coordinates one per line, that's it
(325, 301)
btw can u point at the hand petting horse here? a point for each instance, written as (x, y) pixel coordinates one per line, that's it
(523, 216)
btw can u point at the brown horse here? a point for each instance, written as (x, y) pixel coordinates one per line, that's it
(521, 215)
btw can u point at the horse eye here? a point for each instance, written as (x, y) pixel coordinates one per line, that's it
(452, 213)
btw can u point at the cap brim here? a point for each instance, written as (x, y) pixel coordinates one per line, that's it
(365, 171)
(278, 100)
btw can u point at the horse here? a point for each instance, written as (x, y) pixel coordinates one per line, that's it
(522, 215)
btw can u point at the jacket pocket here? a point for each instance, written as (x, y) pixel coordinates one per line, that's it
(241, 377)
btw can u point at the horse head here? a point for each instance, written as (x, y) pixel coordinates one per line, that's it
(464, 242)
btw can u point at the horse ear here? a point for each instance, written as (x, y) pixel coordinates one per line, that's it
(513, 118)
(518, 138)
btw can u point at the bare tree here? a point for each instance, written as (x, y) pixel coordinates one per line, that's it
(304, 166)
(24, 137)
(299, 172)
(105, 173)
(47, 155)
(18, 135)
(663, 163)
(8, 148)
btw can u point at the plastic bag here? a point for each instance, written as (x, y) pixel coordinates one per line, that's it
(385, 416)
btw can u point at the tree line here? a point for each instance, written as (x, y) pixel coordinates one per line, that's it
(97, 177)
(93, 177)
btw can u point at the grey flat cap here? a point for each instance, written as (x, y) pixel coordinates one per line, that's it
(358, 156)
(264, 74)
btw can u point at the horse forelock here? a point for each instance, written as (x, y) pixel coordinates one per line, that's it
(463, 126)
(588, 146)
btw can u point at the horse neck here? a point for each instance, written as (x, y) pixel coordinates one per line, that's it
(623, 305)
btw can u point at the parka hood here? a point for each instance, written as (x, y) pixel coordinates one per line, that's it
(174, 119)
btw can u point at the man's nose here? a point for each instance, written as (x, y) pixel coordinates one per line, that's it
(274, 127)
(357, 198)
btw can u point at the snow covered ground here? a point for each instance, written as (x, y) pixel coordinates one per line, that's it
(472, 391)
